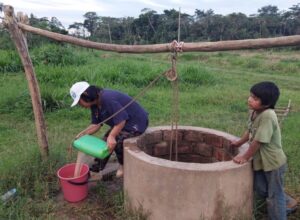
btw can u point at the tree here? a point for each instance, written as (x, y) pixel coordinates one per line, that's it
(150, 15)
(127, 23)
(186, 21)
(145, 26)
(77, 29)
(53, 25)
(56, 26)
(237, 26)
(217, 32)
(91, 22)
(293, 19)
(201, 27)
(5, 41)
(269, 21)
(170, 25)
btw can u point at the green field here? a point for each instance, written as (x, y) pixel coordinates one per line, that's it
(213, 90)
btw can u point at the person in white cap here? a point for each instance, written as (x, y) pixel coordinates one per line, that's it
(103, 103)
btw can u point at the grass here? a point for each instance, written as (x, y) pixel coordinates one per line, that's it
(213, 91)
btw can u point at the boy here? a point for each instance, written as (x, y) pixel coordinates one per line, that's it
(110, 107)
(269, 160)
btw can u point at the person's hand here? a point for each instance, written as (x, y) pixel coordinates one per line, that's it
(111, 143)
(79, 135)
(240, 159)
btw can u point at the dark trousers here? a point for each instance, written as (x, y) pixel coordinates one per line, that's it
(101, 163)
(270, 185)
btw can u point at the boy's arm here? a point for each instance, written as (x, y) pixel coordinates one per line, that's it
(254, 146)
(241, 141)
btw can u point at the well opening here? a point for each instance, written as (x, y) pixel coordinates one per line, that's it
(192, 146)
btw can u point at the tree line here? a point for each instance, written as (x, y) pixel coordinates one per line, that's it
(151, 28)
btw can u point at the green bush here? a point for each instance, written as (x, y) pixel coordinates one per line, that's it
(56, 54)
(53, 99)
(48, 54)
(10, 61)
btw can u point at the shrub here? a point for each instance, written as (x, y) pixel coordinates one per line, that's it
(56, 54)
(52, 100)
(10, 61)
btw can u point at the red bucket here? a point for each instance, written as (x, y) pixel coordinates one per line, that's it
(74, 189)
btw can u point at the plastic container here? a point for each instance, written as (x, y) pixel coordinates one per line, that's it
(74, 189)
(9, 195)
(92, 146)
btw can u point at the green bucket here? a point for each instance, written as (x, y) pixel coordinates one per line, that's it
(92, 146)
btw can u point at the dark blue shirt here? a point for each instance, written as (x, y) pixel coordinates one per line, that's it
(111, 101)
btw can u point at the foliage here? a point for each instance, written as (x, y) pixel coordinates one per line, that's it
(10, 61)
(151, 27)
(5, 41)
(52, 24)
(213, 91)
(56, 54)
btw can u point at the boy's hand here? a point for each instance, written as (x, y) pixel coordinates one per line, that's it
(111, 143)
(240, 159)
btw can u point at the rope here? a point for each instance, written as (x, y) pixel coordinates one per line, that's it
(177, 47)
(175, 104)
(175, 115)
(172, 76)
(179, 26)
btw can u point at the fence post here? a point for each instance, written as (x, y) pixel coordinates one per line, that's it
(20, 42)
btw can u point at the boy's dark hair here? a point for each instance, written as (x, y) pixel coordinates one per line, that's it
(267, 92)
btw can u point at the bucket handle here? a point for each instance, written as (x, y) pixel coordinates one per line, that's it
(80, 183)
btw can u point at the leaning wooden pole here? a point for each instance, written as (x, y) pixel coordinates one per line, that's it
(159, 48)
(20, 42)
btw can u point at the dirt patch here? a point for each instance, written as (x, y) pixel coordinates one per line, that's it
(104, 197)
(99, 204)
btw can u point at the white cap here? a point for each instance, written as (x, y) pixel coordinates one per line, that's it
(76, 90)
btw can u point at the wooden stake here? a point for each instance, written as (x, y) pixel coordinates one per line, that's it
(20, 42)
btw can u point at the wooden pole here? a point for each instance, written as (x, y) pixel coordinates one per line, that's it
(20, 42)
(159, 48)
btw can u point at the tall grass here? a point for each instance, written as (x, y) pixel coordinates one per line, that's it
(213, 91)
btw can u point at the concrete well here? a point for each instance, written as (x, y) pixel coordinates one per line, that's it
(204, 182)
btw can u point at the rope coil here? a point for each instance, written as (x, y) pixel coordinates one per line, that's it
(177, 46)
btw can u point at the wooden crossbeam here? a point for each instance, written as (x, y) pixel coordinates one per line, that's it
(169, 47)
